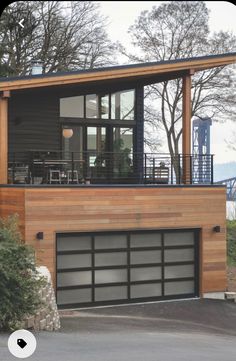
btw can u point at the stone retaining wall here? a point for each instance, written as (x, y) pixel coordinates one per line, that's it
(46, 318)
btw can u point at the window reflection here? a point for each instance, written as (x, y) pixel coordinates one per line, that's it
(105, 107)
(72, 107)
(122, 105)
(91, 106)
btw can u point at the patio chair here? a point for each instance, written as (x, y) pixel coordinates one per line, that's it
(54, 176)
(75, 176)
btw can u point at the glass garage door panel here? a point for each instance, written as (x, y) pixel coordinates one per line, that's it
(148, 290)
(111, 293)
(74, 278)
(73, 243)
(179, 238)
(145, 240)
(141, 257)
(178, 288)
(73, 261)
(110, 241)
(74, 296)
(110, 259)
(179, 271)
(111, 276)
(179, 255)
(145, 273)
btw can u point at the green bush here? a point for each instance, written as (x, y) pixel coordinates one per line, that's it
(19, 280)
(231, 242)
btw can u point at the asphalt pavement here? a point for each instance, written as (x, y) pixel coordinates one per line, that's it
(167, 331)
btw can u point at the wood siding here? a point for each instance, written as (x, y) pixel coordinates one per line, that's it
(52, 210)
(12, 201)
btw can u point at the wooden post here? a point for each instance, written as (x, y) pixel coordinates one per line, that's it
(186, 135)
(4, 137)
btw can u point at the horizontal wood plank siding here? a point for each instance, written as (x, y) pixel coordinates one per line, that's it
(12, 201)
(52, 210)
(33, 123)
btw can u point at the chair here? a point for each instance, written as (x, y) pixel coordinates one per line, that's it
(75, 176)
(158, 175)
(54, 176)
(20, 174)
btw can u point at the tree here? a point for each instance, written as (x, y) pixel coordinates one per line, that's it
(179, 29)
(62, 35)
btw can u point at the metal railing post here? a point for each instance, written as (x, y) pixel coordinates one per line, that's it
(179, 169)
(212, 169)
(191, 170)
(72, 167)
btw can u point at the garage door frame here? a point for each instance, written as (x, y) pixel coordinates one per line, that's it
(162, 264)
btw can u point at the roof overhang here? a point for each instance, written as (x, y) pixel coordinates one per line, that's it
(165, 70)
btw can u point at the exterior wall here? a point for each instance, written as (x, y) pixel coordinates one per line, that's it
(68, 209)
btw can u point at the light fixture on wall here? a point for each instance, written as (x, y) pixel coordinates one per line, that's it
(216, 229)
(39, 236)
(67, 133)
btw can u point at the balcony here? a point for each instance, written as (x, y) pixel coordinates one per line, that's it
(55, 168)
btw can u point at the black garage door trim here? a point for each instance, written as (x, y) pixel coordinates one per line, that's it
(128, 266)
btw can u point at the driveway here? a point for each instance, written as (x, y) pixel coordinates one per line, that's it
(166, 331)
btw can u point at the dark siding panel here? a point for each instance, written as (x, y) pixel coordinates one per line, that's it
(33, 123)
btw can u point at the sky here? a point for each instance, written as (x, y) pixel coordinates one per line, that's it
(122, 14)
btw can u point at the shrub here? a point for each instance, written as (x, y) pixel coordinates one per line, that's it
(20, 282)
(231, 242)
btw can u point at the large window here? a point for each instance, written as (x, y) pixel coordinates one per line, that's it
(114, 106)
(72, 107)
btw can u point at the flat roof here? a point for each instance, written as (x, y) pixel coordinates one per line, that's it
(132, 71)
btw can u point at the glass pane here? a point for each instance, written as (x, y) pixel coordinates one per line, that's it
(73, 261)
(110, 241)
(91, 106)
(179, 271)
(122, 105)
(143, 291)
(178, 238)
(92, 138)
(110, 259)
(105, 107)
(145, 240)
(123, 148)
(74, 296)
(73, 144)
(145, 273)
(110, 293)
(176, 288)
(110, 276)
(139, 257)
(74, 278)
(179, 255)
(72, 107)
(73, 243)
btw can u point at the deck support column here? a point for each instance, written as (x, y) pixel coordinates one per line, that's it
(4, 137)
(186, 133)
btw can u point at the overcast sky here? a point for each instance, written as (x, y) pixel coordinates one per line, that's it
(122, 14)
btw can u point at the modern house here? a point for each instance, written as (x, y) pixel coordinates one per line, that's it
(112, 223)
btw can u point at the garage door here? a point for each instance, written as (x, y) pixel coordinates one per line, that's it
(122, 267)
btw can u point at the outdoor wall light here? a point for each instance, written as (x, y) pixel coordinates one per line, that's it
(216, 229)
(67, 133)
(39, 235)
